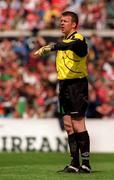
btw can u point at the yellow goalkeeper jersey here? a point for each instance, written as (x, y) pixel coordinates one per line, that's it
(69, 63)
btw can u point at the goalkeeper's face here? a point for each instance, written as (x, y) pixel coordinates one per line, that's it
(67, 25)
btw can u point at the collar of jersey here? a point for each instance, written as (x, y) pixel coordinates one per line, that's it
(71, 35)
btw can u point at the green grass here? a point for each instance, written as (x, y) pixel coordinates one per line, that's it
(44, 166)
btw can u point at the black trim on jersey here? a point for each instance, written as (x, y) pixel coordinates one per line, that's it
(78, 46)
(68, 37)
(71, 58)
(69, 68)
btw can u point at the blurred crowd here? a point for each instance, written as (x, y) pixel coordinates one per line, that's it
(28, 85)
(101, 77)
(44, 14)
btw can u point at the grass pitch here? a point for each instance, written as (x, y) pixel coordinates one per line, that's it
(44, 166)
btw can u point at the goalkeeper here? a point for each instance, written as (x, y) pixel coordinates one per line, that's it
(73, 90)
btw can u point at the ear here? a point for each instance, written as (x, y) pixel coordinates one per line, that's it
(74, 25)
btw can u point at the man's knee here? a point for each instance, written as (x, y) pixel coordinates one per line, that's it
(68, 128)
(68, 124)
(79, 124)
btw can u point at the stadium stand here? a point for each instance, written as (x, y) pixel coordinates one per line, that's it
(28, 85)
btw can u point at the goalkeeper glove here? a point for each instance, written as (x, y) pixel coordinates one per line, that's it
(44, 50)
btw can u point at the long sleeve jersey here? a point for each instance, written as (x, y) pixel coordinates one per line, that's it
(71, 57)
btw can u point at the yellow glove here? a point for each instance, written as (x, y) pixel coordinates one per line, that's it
(43, 50)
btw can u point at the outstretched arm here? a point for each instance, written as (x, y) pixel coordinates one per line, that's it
(78, 46)
(43, 50)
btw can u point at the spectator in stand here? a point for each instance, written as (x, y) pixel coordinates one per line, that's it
(110, 14)
(21, 48)
(93, 103)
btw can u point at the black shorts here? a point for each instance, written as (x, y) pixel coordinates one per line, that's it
(73, 97)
